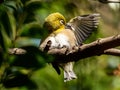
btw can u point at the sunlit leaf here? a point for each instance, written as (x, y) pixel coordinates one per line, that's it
(13, 26)
(10, 5)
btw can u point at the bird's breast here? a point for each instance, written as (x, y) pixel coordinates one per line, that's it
(65, 38)
(62, 40)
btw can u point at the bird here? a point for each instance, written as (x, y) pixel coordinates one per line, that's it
(67, 34)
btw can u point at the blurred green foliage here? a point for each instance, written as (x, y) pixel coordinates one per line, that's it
(21, 26)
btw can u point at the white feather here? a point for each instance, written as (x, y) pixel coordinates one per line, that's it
(54, 44)
(62, 40)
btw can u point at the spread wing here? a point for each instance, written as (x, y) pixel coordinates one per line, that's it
(83, 26)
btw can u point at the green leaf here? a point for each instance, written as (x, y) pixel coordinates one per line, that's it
(9, 24)
(33, 59)
(33, 30)
(24, 1)
(6, 23)
(1, 56)
(30, 7)
(5, 41)
(1, 39)
(10, 5)
(33, 5)
(30, 17)
(17, 79)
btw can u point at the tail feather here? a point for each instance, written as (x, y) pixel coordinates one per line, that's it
(69, 76)
(56, 67)
(68, 71)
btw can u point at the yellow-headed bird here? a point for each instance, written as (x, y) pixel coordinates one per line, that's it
(68, 35)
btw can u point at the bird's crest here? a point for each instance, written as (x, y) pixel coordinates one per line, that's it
(54, 21)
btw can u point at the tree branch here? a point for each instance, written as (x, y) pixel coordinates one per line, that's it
(96, 48)
(17, 51)
(112, 51)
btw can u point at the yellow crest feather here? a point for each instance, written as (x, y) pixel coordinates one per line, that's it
(52, 22)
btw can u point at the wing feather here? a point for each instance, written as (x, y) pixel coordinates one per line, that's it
(83, 26)
(78, 35)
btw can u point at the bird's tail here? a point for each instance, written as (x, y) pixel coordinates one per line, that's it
(68, 72)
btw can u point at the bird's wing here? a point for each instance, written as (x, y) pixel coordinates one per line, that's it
(82, 26)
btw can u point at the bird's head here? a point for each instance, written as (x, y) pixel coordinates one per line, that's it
(54, 22)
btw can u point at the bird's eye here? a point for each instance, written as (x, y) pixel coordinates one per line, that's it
(62, 22)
